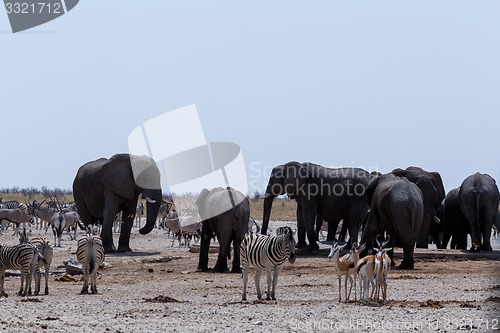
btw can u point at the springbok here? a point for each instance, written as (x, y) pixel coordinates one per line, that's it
(382, 266)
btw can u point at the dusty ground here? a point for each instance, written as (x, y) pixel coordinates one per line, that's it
(156, 289)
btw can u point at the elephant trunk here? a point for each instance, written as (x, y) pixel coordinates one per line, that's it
(152, 208)
(268, 203)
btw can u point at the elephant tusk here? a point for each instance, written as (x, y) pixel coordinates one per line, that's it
(151, 201)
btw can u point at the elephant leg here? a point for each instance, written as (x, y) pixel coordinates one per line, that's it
(107, 226)
(460, 241)
(319, 223)
(346, 224)
(301, 229)
(423, 236)
(408, 262)
(236, 260)
(128, 222)
(486, 245)
(206, 236)
(221, 264)
(308, 216)
(332, 230)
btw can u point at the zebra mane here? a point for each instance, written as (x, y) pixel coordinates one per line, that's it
(280, 231)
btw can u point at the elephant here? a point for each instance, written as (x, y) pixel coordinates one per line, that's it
(431, 185)
(225, 212)
(397, 207)
(333, 194)
(478, 198)
(104, 187)
(455, 224)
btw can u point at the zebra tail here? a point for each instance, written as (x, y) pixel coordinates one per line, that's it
(91, 254)
(91, 264)
(40, 255)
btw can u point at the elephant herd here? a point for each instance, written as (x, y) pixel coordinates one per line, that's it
(409, 205)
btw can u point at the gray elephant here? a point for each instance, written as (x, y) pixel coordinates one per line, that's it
(396, 207)
(431, 185)
(320, 192)
(225, 212)
(104, 187)
(479, 197)
(455, 224)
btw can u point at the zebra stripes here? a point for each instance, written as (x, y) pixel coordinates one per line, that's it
(20, 257)
(13, 204)
(90, 253)
(45, 249)
(266, 253)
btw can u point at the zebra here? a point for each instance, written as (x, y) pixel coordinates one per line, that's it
(90, 253)
(23, 257)
(13, 204)
(266, 253)
(44, 248)
(139, 212)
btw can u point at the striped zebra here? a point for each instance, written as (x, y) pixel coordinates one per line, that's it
(266, 253)
(46, 251)
(90, 253)
(22, 257)
(13, 204)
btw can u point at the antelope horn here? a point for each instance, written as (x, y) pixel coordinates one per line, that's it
(378, 242)
(386, 241)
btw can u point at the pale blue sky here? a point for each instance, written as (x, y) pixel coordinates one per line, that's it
(371, 84)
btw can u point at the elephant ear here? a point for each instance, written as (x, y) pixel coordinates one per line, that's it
(370, 189)
(116, 174)
(295, 176)
(439, 185)
(200, 202)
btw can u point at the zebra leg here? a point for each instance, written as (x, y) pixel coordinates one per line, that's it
(93, 281)
(269, 283)
(258, 273)
(277, 271)
(38, 277)
(46, 275)
(2, 280)
(25, 281)
(85, 289)
(245, 281)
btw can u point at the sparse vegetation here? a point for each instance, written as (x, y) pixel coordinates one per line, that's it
(283, 209)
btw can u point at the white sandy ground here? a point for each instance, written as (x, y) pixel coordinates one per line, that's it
(440, 295)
